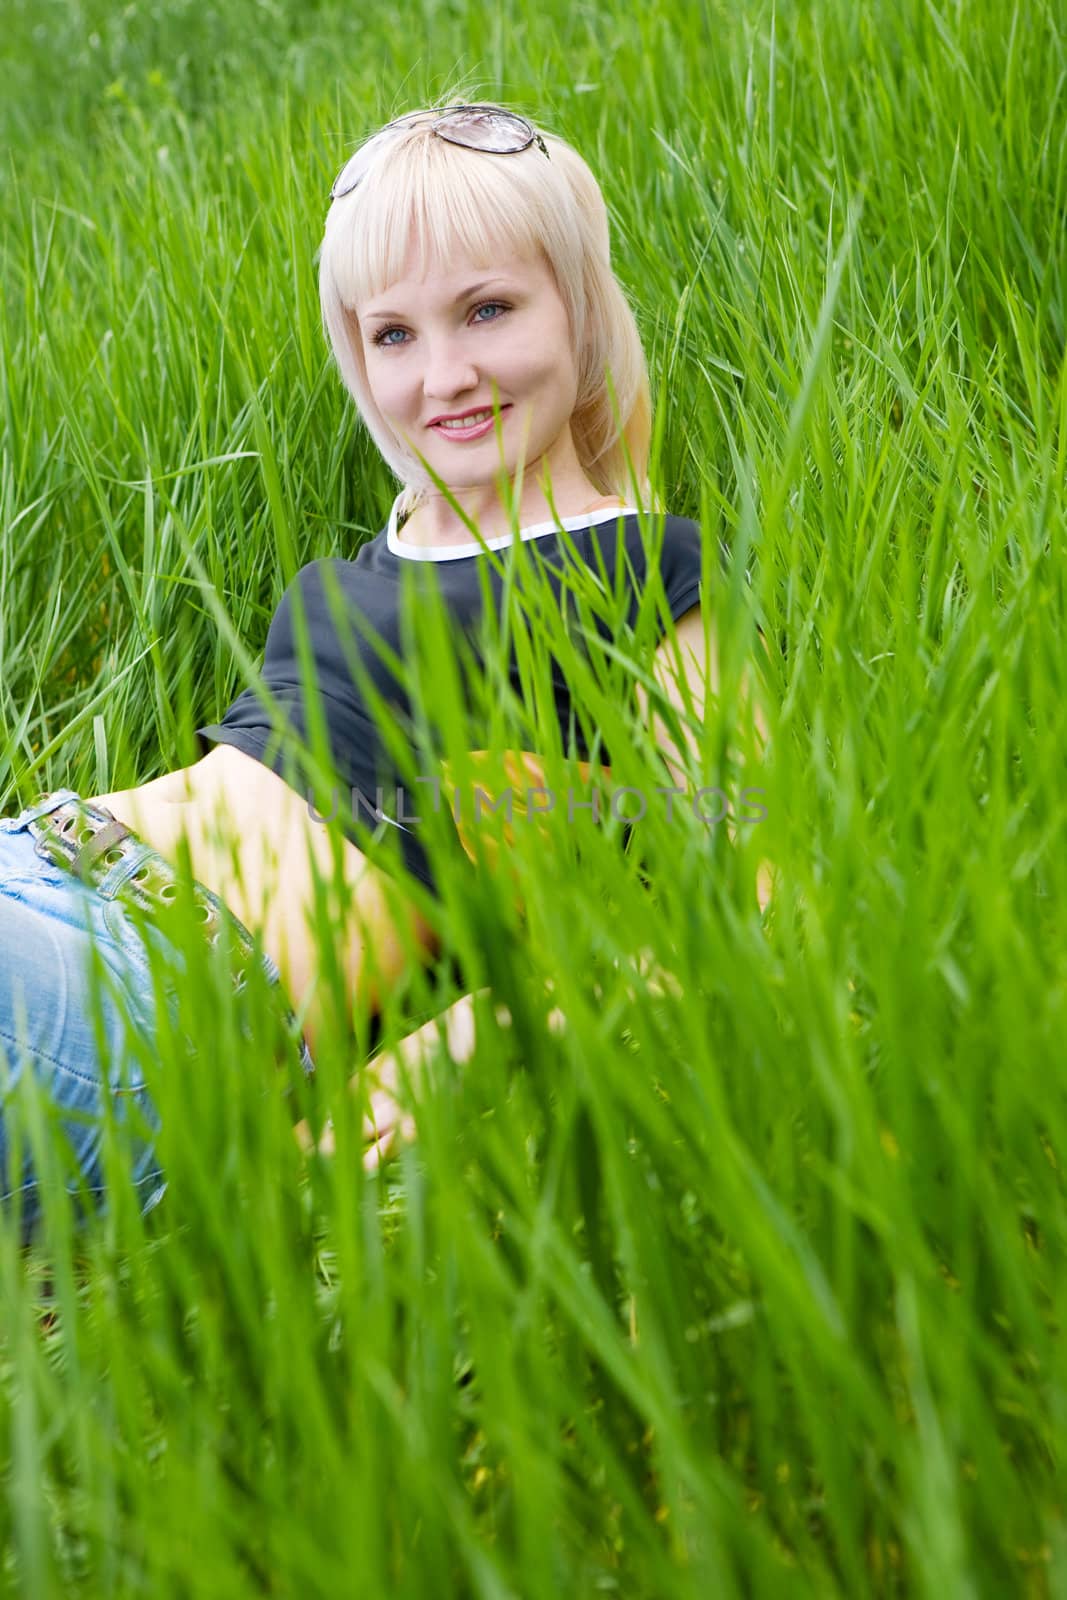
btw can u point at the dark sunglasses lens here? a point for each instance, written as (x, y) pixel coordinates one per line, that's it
(498, 131)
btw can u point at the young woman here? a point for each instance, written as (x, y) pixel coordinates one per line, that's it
(474, 316)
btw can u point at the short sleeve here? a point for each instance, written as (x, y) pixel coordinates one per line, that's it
(680, 564)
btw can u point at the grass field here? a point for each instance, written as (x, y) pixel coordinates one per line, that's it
(751, 1285)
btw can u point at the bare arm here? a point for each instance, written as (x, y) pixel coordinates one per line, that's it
(689, 673)
(386, 1124)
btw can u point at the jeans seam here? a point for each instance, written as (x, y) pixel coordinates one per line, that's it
(101, 1189)
(118, 941)
(24, 880)
(129, 942)
(45, 1055)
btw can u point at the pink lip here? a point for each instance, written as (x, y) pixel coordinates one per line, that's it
(475, 431)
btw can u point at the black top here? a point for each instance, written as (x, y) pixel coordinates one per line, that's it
(370, 591)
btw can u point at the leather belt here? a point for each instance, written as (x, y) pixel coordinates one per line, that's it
(91, 844)
(92, 841)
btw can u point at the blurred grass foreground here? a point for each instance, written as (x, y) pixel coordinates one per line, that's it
(747, 1284)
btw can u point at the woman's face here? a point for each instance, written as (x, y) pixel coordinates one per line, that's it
(434, 347)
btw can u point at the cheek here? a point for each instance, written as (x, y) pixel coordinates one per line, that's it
(390, 391)
(542, 362)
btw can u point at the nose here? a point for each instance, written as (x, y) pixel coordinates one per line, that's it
(449, 372)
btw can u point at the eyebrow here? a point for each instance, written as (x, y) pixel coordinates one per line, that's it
(464, 294)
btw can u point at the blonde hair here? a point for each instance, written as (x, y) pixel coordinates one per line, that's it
(449, 200)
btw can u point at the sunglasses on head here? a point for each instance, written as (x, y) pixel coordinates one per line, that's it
(478, 127)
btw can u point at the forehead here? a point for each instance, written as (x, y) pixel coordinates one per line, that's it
(438, 281)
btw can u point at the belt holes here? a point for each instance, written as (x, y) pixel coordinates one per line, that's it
(173, 890)
(206, 913)
(112, 856)
(140, 875)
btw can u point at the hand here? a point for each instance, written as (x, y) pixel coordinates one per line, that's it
(386, 1125)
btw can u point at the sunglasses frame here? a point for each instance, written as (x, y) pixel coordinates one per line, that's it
(340, 188)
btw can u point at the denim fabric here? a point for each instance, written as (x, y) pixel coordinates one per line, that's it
(50, 923)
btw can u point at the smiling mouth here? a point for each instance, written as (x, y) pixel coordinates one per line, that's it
(480, 420)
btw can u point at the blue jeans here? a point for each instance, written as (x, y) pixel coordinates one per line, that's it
(52, 929)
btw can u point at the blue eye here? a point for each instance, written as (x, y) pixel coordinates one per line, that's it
(382, 339)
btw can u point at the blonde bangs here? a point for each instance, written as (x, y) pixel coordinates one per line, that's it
(439, 200)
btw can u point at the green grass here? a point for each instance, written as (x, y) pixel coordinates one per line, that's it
(755, 1289)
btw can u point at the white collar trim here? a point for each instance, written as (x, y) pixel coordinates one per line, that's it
(453, 552)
